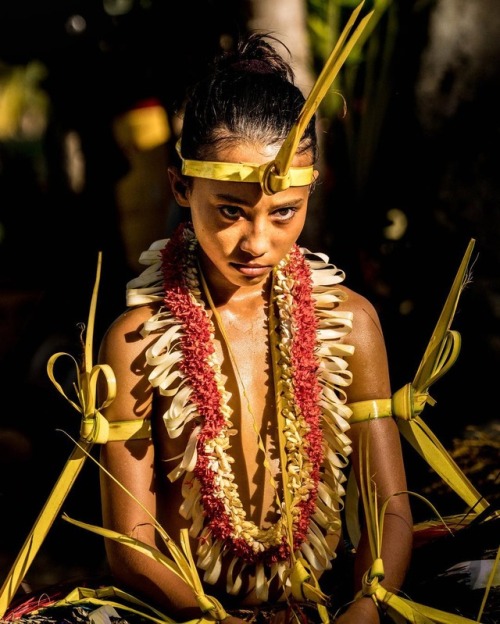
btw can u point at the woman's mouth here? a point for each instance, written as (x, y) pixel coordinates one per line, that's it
(251, 270)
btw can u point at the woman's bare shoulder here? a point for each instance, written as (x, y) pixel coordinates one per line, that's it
(369, 361)
(132, 319)
(360, 306)
(125, 332)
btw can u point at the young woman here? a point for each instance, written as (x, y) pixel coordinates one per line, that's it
(239, 364)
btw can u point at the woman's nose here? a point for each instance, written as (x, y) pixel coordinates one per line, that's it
(255, 240)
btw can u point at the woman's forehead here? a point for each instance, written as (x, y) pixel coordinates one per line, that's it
(252, 152)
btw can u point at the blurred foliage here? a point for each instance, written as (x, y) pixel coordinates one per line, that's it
(23, 104)
(360, 95)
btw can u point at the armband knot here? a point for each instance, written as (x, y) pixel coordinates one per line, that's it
(406, 404)
(212, 607)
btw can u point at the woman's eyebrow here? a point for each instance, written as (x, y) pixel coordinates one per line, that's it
(236, 199)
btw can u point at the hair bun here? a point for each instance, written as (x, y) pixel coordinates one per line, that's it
(256, 55)
(255, 66)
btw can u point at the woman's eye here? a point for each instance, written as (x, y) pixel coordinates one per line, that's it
(285, 213)
(231, 212)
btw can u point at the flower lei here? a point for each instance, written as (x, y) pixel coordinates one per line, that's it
(225, 517)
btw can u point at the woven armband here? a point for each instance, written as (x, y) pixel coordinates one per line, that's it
(369, 410)
(130, 430)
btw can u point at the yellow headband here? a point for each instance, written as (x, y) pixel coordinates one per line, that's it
(277, 175)
(244, 172)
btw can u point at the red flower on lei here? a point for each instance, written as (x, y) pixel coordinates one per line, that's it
(179, 255)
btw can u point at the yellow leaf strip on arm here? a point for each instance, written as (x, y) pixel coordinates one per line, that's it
(181, 563)
(395, 605)
(408, 402)
(93, 430)
(361, 412)
(369, 410)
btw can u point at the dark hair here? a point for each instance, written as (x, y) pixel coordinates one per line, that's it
(249, 95)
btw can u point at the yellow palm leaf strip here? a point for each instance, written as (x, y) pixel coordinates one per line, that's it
(368, 493)
(207, 604)
(181, 564)
(220, 325)
(489, 585)
(371, 587)
(418, 613)
(352, 510)
(184, 565)
(279, 168)
(428, 370)
(95, 427)
(305, 586)
(411, 611)
(40, 528)
(380, 7)
(303, 583)
(423, 440)
(182, 571)
(104, 596)
(416, 495)
(211, 605)
(279, 390)
(409, 401)
(408, 609)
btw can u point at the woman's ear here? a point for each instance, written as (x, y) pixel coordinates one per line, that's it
(179, 187)
(312, 186)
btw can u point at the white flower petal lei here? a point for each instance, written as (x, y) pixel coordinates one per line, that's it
(333, 377)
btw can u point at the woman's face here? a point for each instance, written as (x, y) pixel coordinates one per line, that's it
(242, 232)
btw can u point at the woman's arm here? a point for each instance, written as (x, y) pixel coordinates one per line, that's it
(371, 381)
(132, 464)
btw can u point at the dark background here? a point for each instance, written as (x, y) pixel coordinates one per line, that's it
(440, 170)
